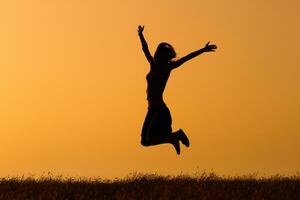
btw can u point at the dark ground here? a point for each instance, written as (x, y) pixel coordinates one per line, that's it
(152, 186)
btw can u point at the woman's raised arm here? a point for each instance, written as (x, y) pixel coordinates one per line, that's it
(208, 48)
(144, 44)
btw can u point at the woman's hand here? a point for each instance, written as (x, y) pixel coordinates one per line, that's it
(140, 29)
(209, 47)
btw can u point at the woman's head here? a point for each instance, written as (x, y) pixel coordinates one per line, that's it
(164, 52)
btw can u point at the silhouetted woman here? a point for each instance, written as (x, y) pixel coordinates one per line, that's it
(157, 125)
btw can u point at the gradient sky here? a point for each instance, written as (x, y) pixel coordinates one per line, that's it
(73, 88)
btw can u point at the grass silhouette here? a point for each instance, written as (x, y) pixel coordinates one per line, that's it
(152, 186)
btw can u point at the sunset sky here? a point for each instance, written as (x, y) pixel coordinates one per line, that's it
(73, 87)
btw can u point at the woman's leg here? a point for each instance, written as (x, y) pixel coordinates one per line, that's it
(166, 139)
(157, 130)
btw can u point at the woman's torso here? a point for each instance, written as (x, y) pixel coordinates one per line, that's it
(156, 82)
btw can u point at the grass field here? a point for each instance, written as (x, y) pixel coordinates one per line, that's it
(151, 186)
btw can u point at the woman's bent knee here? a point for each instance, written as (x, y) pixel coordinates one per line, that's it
(145, 143)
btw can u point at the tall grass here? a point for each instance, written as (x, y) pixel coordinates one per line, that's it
(152, 186)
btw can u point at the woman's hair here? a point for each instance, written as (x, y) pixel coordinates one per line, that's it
(164, 52)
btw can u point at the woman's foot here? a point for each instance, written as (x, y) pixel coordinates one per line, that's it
(176, 145)
(183, 138)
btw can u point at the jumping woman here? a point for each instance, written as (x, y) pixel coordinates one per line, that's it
(157, 127)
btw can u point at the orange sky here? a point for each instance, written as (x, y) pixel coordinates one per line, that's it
(72, 82)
